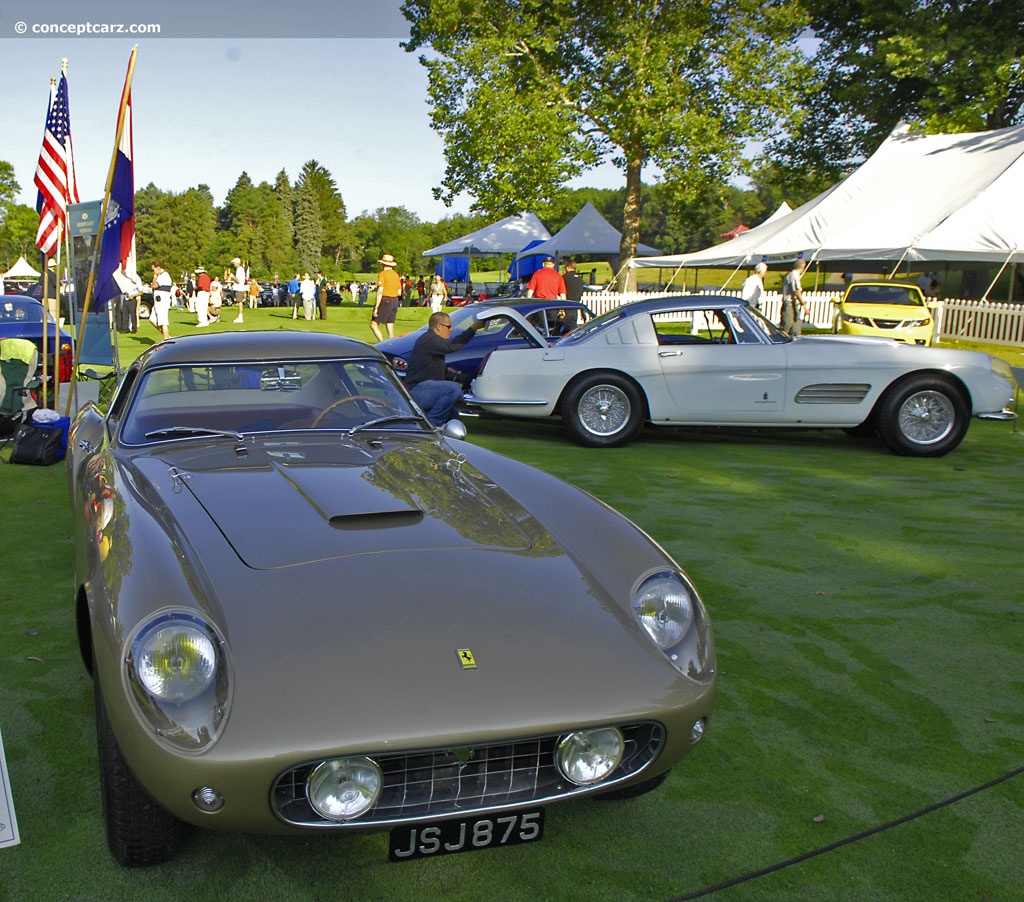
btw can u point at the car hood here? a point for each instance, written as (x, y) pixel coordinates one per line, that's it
(281, 505)
(372, 621)
(886, 311)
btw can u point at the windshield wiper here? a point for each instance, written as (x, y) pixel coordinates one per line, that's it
(380, 421)
(195, 430)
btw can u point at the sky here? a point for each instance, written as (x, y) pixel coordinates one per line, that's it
(227, 86)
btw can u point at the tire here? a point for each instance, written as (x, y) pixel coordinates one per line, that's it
(634, 791)
(923, 416)
(603, 410)
(139, 832)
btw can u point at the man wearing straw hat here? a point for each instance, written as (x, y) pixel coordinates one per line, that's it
(389, 294)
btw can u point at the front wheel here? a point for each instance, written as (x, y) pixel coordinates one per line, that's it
(139, 831)
(923, 416)
(603, 410)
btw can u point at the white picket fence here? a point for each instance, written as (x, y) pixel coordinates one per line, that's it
(985, 321)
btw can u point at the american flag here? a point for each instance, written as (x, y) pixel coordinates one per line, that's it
(55, 172)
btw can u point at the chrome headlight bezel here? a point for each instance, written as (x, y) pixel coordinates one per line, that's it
(343, 789)
(177, 678)
(669, 611)
(588, 757)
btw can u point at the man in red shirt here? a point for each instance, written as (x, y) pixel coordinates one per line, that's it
(547, 282)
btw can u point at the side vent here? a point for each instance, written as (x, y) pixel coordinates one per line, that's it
(833, 393)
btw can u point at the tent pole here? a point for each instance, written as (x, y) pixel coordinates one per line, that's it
(1006, 263)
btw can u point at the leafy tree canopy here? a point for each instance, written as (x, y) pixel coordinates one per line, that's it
(941, 65)
(528, 94)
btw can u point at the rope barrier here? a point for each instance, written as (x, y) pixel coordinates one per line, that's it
(857, 837)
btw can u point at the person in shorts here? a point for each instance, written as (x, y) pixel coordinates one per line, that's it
(163, 286)
(389, 296)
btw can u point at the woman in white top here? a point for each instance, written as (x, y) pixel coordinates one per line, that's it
(438, 294)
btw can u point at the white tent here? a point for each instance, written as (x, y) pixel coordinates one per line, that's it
(588, 232)
(21, 270)
(918, 197)
(506, 236)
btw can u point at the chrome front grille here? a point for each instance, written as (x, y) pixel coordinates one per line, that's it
(438, 783)
(833, 393)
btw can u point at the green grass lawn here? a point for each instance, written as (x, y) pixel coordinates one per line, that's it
(870, 637)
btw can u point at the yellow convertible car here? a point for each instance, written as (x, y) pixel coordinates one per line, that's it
(894, 310)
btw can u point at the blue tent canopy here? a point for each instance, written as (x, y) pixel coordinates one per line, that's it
(453, 269)
(522, 267)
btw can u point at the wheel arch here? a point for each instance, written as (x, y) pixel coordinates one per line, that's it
(947, 378)
(83, 629)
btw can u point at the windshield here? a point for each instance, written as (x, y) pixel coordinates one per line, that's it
(584, 332)
(884, 294)
(12, 310)
(767, 328)
(211, 400)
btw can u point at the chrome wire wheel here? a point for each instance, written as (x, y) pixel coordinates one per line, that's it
(604, 410)
(923, 416)
(927, 417)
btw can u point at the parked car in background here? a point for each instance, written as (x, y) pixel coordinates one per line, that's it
(22, 317)
(304, 608)
(550, 319)
(272, 295)
(896, 310)
(713, 361)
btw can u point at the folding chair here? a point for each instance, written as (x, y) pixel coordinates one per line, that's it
(98, 347)
(19, 363)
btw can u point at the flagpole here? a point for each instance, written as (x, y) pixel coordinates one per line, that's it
(46, 274)
(89, 288)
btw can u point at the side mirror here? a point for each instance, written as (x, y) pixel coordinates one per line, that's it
(455, 429)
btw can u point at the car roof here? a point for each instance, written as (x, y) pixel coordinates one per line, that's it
(664, 303)
(524, 303)
(230, 347)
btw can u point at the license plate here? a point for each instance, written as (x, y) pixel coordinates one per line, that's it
(466, 835)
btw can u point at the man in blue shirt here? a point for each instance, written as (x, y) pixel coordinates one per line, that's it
(293, 295)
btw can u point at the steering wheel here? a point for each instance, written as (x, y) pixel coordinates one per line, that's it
(338, 403)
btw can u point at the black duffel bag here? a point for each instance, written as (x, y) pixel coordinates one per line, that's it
(39, 445)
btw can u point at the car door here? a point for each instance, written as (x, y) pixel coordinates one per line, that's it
(718, 370)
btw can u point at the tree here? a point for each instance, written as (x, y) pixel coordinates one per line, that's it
(530, 93)
(392, 230)
(330, 207)
(178, 230)
(941, 65)
(309, 233)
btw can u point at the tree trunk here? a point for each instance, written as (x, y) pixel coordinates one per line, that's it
(630, 222)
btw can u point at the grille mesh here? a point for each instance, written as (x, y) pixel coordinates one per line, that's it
(441, 782)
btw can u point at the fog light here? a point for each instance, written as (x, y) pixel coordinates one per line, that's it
(589, 756)
(207, 799)
(697, 731)
(344, 788)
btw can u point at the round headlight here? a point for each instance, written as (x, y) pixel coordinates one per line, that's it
(589, 756)
(664, 607)
(175, 661)
(344, 788)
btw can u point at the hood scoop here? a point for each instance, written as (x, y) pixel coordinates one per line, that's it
(381, 520)
(415, 497)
